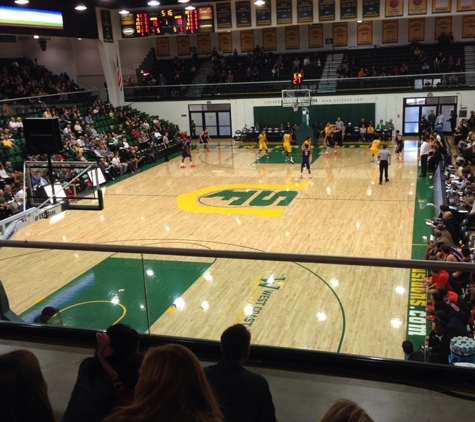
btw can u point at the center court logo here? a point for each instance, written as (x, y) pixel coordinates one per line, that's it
(258, 199)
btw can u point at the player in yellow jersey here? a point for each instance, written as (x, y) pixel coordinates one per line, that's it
(287, 147)
(374, 148)
(262, 144)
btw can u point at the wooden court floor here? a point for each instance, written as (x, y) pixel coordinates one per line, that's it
(230, 201)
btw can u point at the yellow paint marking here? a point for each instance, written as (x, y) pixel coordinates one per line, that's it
(38, 299)
(189, 201)
(124, 310)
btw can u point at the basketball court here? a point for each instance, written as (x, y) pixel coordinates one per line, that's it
(231, 201)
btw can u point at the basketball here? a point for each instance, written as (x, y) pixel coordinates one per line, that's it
(395, 3)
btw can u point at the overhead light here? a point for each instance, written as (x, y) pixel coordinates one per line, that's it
(22, 1)
(359, 21)
(123, 12)
(183, 1)
(81, 7)
(36, 37)
(153, 3)
(190, 7)
(259, 2)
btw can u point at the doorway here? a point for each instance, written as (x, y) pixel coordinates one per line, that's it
(415, 108)
(216, 117)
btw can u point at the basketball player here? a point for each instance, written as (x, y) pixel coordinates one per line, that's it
(186, 152)
(329, 140)
(287, 147)
(262, 144)
(305, 154)
(374, 148)
(399, 146)
(204, 138)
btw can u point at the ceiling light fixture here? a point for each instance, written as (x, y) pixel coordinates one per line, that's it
(36, 37)
(190, 7)
(81, 7)
(183, 1)
(22, 1)
(259, 2)
(153, 3)
(123, 12)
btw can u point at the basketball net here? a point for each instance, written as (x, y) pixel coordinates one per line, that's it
(295, 106)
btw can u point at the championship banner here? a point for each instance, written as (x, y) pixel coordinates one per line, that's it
(394, 8)
(107, 34)
(284, 12)
(225, 42)
(416, 29)
(292, 37)
(340, 34)
(443, 24)
(247, 41)
(370, 9)
(315, 36)
(390, 31)
(365, 33)
(468, 28)
(183, 45)
(243, 13)
(204, 44)
(263, 15)
(465, 5)
(163, 47)
(269, 39)
(304, 11)
(348, 9)
(441, 6)
(417, 7)
(326, 10)
(223, 15)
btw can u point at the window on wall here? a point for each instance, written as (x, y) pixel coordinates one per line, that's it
(216, 117)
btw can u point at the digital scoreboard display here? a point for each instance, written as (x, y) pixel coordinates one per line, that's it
(167, 22)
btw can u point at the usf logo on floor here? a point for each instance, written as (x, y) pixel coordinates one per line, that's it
(262, 200)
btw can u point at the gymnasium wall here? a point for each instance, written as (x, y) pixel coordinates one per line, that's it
(386, 106)
(271, 116)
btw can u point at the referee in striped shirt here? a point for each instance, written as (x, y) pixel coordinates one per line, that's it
(384, 158)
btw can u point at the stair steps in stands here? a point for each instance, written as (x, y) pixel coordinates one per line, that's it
(328, 82)
(469, 52)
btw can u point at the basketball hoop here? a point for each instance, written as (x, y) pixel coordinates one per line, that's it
(295, 106)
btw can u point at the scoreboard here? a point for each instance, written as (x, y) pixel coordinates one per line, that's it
(167, 22)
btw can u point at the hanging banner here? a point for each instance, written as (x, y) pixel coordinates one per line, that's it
(468, 28)
(394, 8)
(163, 47)
(107, 34)
(443, 24)
(348, 9)
(243, 13)
(326, 10)
(417, 7)
(204, 44)
(416, 29)
(340, 34)
(465, 5)
(370, 9)
(263, 15)
(269, 39)
(183, 45)
(284, 12)
(223, 15)
(315, 36)
(304, 11)
(365, 33)
(441, 6)
(247, 41)
(225, 42)
(390, 31)
(292, 37)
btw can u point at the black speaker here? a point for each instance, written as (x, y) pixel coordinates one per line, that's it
(42, 135)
